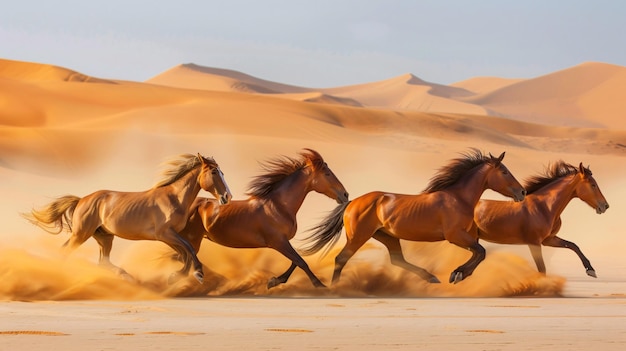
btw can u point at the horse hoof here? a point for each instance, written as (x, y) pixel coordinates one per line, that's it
(434, 280)
(456, 277)
(591, 273)
(272, 283)
(319, 285)
(199, 276)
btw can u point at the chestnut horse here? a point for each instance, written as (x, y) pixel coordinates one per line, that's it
(444, 210)
(156, 214)
(268, 217)
(536, 220)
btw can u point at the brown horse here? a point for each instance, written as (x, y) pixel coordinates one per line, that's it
(443, 211)
(268, 217)
(156, 214)
(536, 220)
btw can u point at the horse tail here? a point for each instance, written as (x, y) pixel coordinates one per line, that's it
(55, 216)
(325, 233)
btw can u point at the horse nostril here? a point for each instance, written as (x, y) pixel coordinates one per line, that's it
(606, 206)
(524, 192)
(346, 195)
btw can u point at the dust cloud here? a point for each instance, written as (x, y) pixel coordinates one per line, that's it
(245, 272)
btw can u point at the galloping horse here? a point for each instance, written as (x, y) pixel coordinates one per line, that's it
(444, 210)
(156, 214)
(268, 217)
(536, 220)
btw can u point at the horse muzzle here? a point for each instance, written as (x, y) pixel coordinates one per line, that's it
(519, 195)
(225, 198)
(342, 198)
(600, 209)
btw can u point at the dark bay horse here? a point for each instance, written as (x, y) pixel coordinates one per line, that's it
(268, 217)
(156, 214)
(443, 211)
(536, 220)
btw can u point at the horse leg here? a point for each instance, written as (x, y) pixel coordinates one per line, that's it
(397, 257)
(465, 240)
(555, 241)
(105, 240)
(285, 248)
(535, 251)
(352, 245)
(186, 252)
(194, 231)
(78, 237)
(281, 279)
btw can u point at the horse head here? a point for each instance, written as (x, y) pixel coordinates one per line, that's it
(500, 179)
(589, 191)
(211, 179)
(322, 179)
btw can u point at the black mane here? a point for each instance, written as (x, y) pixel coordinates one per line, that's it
(448, 175)
(277, 169)
(554, 171)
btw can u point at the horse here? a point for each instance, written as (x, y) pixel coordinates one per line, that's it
(267, 219)
(443, 211)
(156, 214)
(537, 220)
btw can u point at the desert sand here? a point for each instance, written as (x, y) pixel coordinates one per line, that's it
(65, 132)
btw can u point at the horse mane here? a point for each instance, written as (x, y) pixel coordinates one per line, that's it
(552, 172)
(279, 168)
(448, 175)
(181, 166)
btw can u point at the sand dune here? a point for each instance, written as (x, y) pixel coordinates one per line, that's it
(590, 95)
(192, 76)
(30, 71)
(483, 85)
(43, 120)
(587, 95)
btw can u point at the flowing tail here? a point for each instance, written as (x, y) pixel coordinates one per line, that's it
(325, 233)
(56, 216)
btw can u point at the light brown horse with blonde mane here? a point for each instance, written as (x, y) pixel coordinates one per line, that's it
(536, 220)
(268, 217)
(443, 211)
(159, 213)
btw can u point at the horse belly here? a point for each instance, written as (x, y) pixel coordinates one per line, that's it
(502, 225)
(415, 230)
(410, 220)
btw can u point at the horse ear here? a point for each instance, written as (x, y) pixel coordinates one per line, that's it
(310, 163)
(581, 169)
(201, 159)
(497, 160)
(312, 157)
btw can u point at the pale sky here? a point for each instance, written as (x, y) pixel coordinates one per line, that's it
(317, 43)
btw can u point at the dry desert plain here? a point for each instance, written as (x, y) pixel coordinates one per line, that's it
(64, 132)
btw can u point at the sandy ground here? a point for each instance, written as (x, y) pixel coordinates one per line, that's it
(63, 132)
(318, 324)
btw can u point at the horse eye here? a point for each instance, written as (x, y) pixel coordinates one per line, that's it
(505, 172)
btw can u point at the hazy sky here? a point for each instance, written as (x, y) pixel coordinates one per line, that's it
(317, 43)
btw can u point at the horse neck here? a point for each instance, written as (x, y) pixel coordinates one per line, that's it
(557, 194)
(291, 192)
(186, 188)
(471, 186)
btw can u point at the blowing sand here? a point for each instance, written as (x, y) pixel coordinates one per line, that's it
(63, 132)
